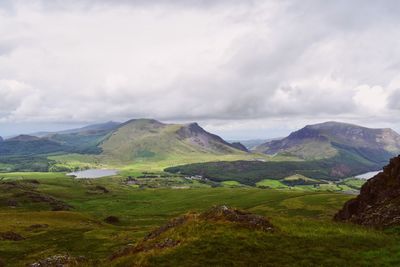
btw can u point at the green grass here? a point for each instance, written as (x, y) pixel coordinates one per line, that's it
(269, 183)
(354, 183)
(306, 233)
(231, 184)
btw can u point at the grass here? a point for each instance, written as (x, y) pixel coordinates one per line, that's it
(231, 184)
(269, 183)
(306, 233)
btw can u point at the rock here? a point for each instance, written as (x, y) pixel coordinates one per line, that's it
(11, 236)
(112, 220)
(246, 219)
(378, 203)
(167, 243)
(171, 224)
(59, 261)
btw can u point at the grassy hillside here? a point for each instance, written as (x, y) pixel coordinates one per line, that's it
(329, 139)
(305, 234)
(152, 140)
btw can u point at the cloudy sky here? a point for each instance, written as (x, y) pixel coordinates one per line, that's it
(243, 69)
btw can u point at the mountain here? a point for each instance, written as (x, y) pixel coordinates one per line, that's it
(378, 204)
(81, 140)
(28, 145)
(240, 146)
(84, 140)
(330, 139)
(1, 139)
(94, 128)
(24, 138)
(151, 139)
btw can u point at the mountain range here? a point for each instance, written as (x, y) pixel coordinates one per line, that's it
(348, 148)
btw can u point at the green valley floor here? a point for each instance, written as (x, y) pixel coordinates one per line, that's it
(51, 214)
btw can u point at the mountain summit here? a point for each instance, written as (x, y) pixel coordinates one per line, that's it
(147, 138)
(328, 139)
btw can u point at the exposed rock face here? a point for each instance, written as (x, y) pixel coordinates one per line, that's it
(378, 204)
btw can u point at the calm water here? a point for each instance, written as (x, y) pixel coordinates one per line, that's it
(94, 173)
(367, 175)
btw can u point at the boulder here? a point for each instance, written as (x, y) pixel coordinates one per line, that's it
(378, 203)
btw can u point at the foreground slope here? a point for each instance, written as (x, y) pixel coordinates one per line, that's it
(303, 235)
(151, 139)
(329, 139)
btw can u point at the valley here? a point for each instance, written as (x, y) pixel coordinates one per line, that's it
(92, 196)
(302, 219)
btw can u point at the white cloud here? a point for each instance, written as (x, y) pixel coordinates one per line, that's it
(224, 61)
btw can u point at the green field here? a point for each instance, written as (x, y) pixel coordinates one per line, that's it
(306, 235)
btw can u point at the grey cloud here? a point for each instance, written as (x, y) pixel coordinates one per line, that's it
(250, 60)
(394, 99)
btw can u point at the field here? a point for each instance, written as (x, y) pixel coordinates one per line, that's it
(306, 233)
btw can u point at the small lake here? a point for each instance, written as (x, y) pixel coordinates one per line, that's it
(93, 173)
(367, 175)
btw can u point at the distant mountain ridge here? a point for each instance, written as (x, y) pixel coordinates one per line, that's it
(326, 140)
(107, 126)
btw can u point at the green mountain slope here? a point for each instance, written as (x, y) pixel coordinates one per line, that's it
(326, 140)
(151, 139)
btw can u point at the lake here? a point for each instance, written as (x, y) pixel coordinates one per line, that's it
(93, 173)
(367, 175)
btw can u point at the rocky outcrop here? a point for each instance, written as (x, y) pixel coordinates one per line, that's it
(378, 203)
(60, 261)
(11, 236)
(165, 236)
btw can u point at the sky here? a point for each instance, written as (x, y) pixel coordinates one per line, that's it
(242, 69)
